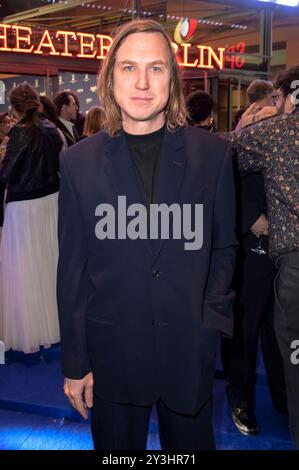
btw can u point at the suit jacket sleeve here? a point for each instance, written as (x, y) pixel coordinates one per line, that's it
(72, 280)
(219, 296)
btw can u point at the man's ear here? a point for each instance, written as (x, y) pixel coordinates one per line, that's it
(289, 105)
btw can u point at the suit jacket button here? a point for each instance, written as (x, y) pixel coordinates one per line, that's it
(155, 274)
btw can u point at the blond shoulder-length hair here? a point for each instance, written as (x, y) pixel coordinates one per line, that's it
(175, 112)
(93, 121)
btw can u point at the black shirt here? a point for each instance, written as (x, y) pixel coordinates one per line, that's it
(145, 152)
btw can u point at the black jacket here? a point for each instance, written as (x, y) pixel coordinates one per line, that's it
(31, 162)
(143, 314)
(253, 199)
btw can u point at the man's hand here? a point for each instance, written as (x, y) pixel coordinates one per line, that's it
(265, 113)
(255, 114)
(249, 115)
(80, 393)
(260, 226)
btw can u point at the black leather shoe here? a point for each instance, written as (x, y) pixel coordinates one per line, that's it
(245, 421)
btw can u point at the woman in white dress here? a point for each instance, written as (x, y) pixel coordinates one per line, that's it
(29, 246)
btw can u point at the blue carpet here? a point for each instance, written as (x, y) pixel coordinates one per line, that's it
(22, 431)
(35, 389)
(34, 414)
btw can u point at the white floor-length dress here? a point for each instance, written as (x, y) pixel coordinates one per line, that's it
(28, 266)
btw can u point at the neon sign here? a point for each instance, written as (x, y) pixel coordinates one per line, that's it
(22, 39)
(60, 43)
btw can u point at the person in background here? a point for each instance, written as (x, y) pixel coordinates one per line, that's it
(271, 147)
(253, 309)
(67, 111)
(80, 117)
(29, 245)
(93, 122)
(5, 124)
(200, 107)
(48, 108)
(263, 94)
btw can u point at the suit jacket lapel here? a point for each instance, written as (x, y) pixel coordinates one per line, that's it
(172, 172)
(75, 134)
(172, 167)
(120, 170)
(119, 167)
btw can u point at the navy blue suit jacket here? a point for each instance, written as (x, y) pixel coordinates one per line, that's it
(144, 316)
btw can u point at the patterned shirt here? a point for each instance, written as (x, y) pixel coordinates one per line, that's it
(272, 148)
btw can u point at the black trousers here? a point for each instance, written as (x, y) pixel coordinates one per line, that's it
(125, 427)
(286, 323)
(253, 314)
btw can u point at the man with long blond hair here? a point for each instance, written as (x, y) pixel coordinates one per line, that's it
(146, 229)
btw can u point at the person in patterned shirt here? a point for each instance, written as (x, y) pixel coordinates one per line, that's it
(271, 147)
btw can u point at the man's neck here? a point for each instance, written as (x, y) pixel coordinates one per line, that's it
(143, 127)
